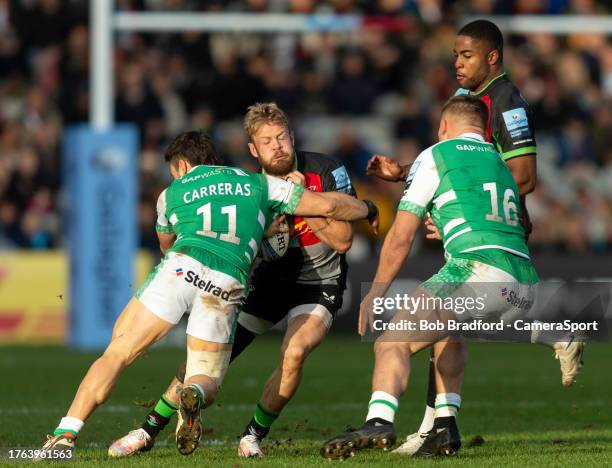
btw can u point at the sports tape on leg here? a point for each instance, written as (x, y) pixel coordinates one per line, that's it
(212, 364)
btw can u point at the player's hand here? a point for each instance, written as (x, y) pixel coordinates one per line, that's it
(297, 178)
(275, 227)
(366, 315)
(384, 168)
(432, 230)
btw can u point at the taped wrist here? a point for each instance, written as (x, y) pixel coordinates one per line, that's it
(372, 209)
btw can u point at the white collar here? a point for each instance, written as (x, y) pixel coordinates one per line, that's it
(472, 136)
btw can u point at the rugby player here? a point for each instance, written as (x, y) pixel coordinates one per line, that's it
(212, 219)
(306, 285)
(479, 71)
(470, 194)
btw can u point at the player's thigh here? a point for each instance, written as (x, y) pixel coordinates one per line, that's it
(123, 320)
(140, 329)
(304, 333)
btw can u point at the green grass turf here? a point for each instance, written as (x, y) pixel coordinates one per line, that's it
(512, 398)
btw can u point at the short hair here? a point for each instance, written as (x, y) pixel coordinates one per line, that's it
(468, 107)
(487, 31)
(263, 113)
(194, 146)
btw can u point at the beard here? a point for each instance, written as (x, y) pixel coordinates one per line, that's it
(278, 167)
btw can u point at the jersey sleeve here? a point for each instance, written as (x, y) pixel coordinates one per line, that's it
(512, 126)
(283, 196)
(337, 179)
(163, 225)
(421, 185)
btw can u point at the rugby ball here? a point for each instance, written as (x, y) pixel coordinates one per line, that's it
(275, 247)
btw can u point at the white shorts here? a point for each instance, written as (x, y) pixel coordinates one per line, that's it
(482, 291)
(181, 284)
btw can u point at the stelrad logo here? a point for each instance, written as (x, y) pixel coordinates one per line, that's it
(206, 286)
(517, 301)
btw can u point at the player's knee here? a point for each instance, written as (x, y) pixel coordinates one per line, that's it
(120, 354)
(293, 357)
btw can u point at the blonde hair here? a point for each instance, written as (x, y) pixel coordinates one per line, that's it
(263, 113)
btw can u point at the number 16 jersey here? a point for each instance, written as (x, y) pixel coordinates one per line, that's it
(471, 195)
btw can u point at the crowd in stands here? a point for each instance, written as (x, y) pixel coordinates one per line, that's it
(350, 94)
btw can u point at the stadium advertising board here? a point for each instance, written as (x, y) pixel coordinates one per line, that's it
(34, 295)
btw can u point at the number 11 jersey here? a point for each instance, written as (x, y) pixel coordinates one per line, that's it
(223, 211)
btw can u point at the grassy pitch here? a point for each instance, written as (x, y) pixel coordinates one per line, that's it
(512, 398)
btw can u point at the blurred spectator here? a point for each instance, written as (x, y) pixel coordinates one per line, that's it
(351, 151)
(576, 145)
(136, 103)
(353, 91)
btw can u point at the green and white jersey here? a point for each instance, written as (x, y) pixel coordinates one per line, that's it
(471, 195)
(223, 211)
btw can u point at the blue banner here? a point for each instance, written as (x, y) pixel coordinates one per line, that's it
(101, 181)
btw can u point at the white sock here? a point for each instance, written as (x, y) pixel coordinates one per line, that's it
(428, 420)
(447, 404)
(68, 424)
(545, 337)
(382, 405)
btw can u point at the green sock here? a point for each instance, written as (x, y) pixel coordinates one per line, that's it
(159, 416)
(264, 417)
(165, 407)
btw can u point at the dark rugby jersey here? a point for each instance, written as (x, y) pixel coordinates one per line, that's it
(308, 260)
(510, 126)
